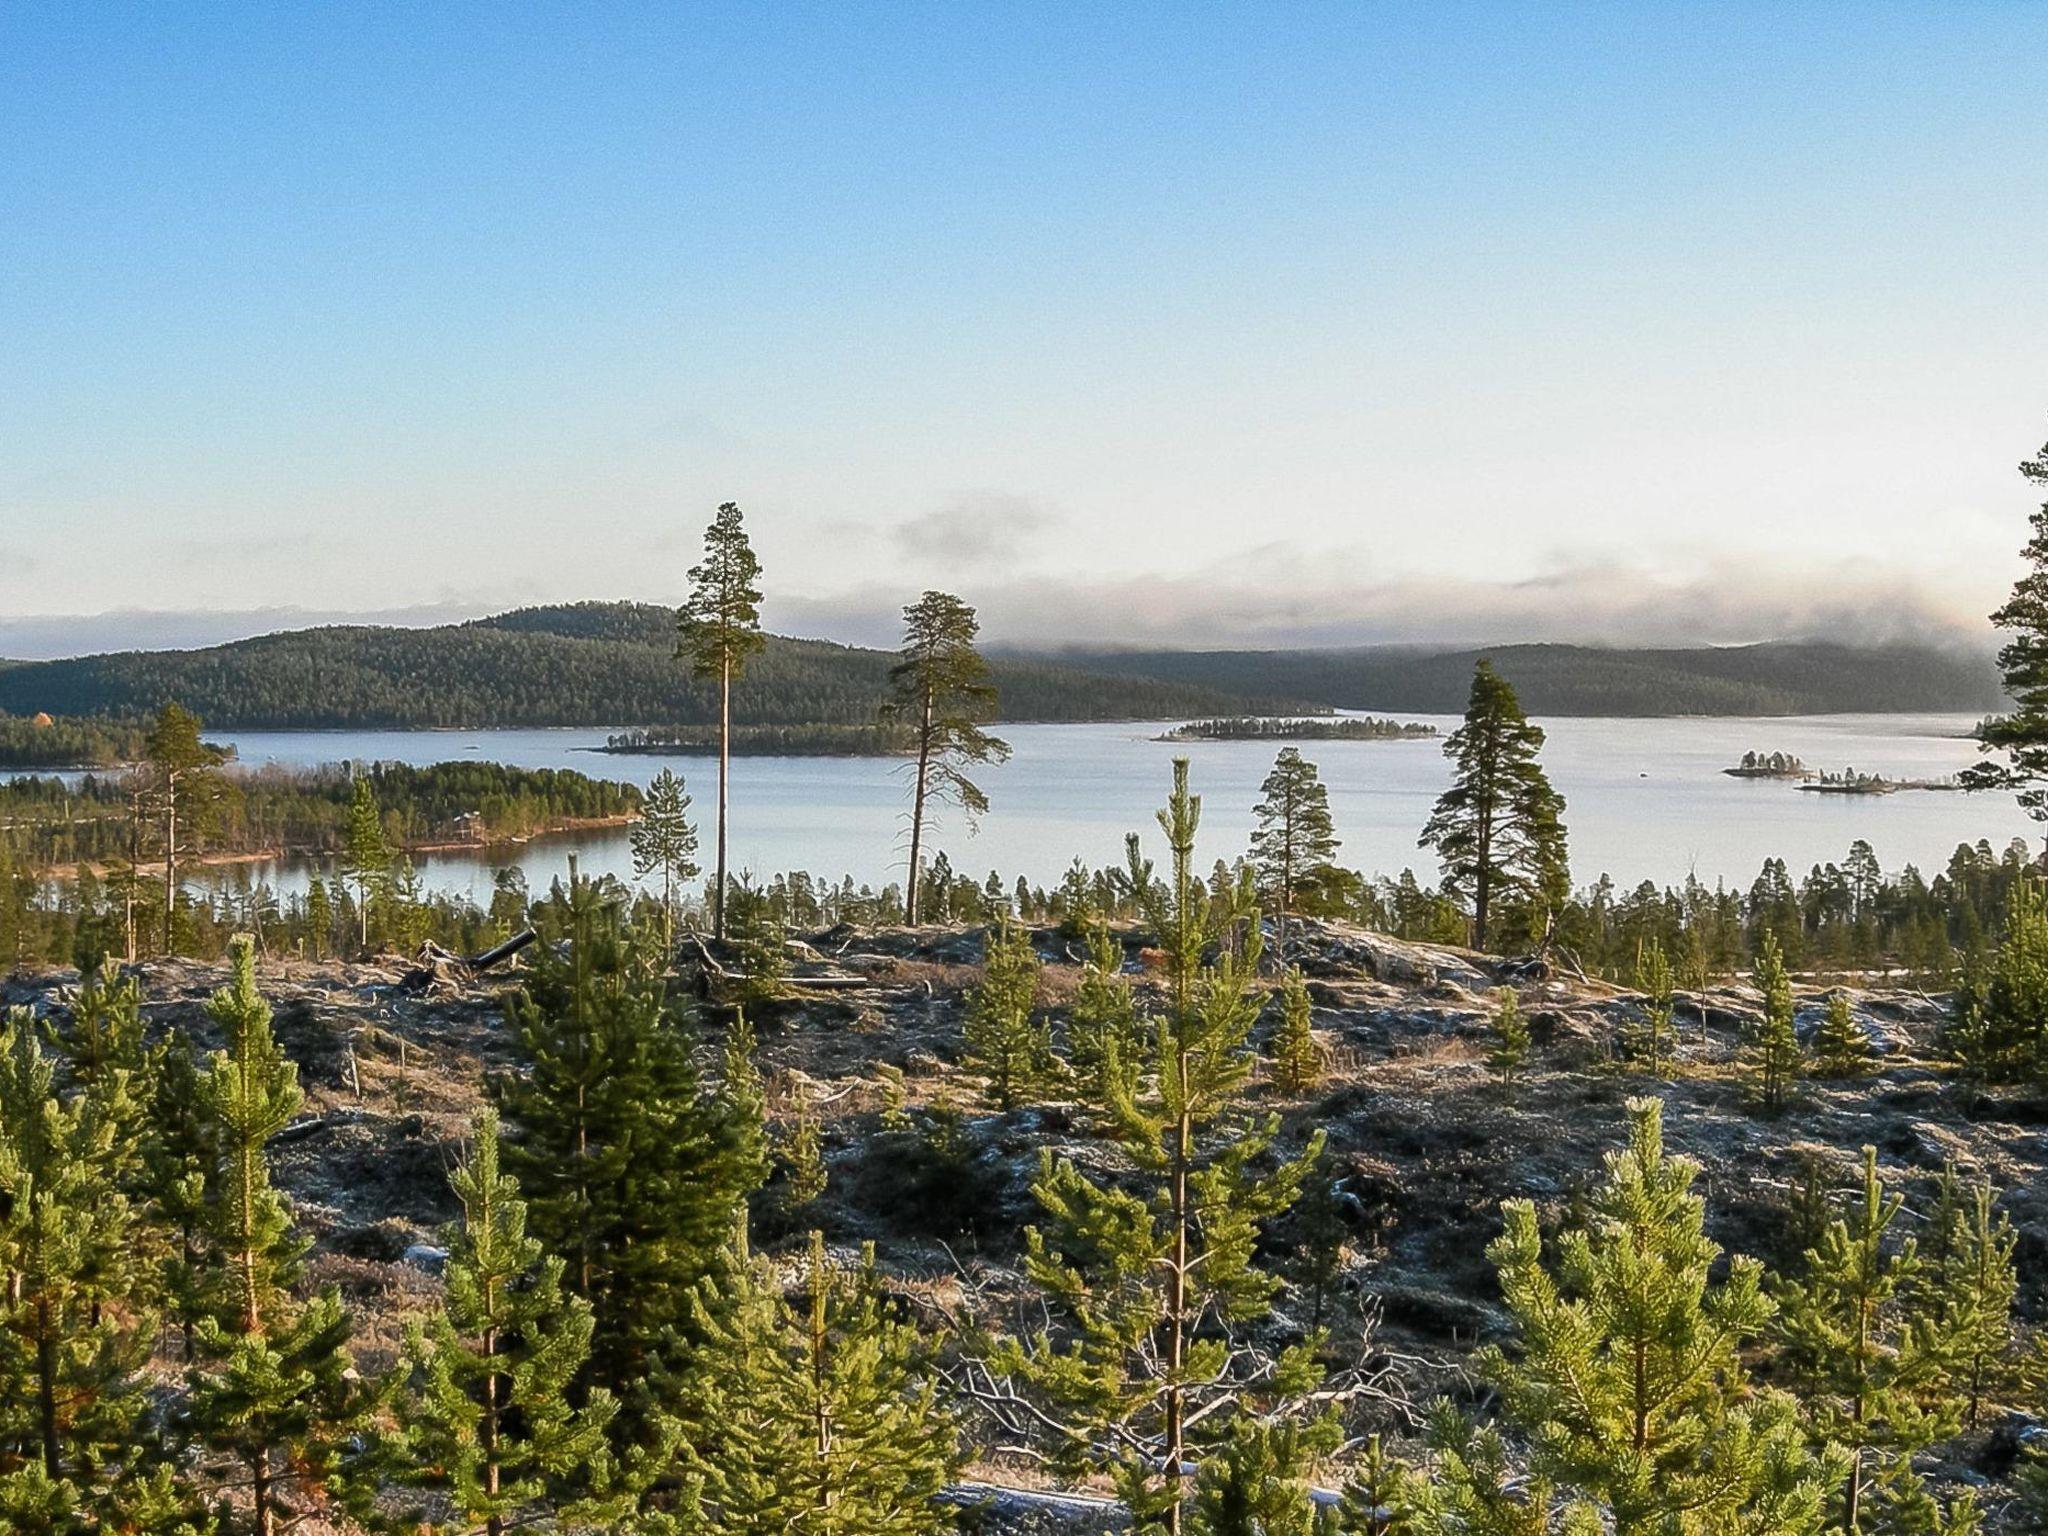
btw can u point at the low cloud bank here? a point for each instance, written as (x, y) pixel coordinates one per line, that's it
(1271, 600)
(1266, 599)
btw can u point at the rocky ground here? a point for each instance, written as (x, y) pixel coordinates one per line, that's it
(1426, 1143)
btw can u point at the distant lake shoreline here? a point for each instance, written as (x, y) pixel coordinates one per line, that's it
(1645, 799)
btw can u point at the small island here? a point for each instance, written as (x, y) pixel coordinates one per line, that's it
(1769, 765)
(820, 740)
(1321, 728)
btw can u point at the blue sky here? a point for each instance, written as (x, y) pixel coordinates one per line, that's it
(1150, 322)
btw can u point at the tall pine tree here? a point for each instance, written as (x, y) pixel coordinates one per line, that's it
(940, 685)
(1497, 828)
(1771, 1043)
(1295, 838)
(718, 628)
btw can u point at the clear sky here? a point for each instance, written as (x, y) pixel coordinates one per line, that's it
(1194, 322)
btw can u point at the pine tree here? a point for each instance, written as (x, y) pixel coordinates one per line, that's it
(271, 1386)
(1102, 1030)
(819, 1421)
(485, 1415)
(743, 1104)
(1497, 827)
(186, 788)
(1009, 1050)
(1863, 1361)
(1382, 1497)
(1510, 1050)
(1137, 1271)
(1295, 1062)
(179, 1152)
(1970, 1284)
(1626, 1370)
(2022, 735)
(757, 934)
(633, 1175)
(940, 684)
(366, 856)
(665, 841)
(718, 628)
(74, 1336)
(1648, 1045)
(1295, 839)
(1256, 1484)
(1840, 1046)
(1772, 1044)
(319, 919)
(804, 1175)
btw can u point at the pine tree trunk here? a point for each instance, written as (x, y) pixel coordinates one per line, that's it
(170, 859)
(924, 760)
(46, 1385)
(724, 779)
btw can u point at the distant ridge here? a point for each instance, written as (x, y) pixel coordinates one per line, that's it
(611, 664)
(580, 664)
(1793, 677)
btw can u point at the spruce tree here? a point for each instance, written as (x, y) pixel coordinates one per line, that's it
(1840, 1046)
(1295, 838)
(1008, 1049)
(366, 855)
(1865, 1360)
(718, 628)
(633, 1174)
(271, 1387)
(1497, 827)
(1771, 1044)
(1626, 1369)
(665, 842)
(1137, 1265)
(1509, 1052)
(1293, 1058)
(819, 1420)
(485, 1415)
(940, 685)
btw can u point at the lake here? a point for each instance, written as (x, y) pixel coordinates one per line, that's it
(1645, 799)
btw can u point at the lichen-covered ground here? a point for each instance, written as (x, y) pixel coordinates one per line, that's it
(1426, 1144)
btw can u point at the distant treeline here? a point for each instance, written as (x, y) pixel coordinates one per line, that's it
(1780, 678)
(41, 742)
(880, 740)
(1263, 728)
(584, 664)
(45, 821)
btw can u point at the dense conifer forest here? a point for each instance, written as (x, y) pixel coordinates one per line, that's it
(584, 664)
(1779, 678)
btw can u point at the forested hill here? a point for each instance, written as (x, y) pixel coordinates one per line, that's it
(584, 664)
(1779, 678)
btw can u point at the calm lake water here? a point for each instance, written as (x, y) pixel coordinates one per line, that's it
(1645, 799)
